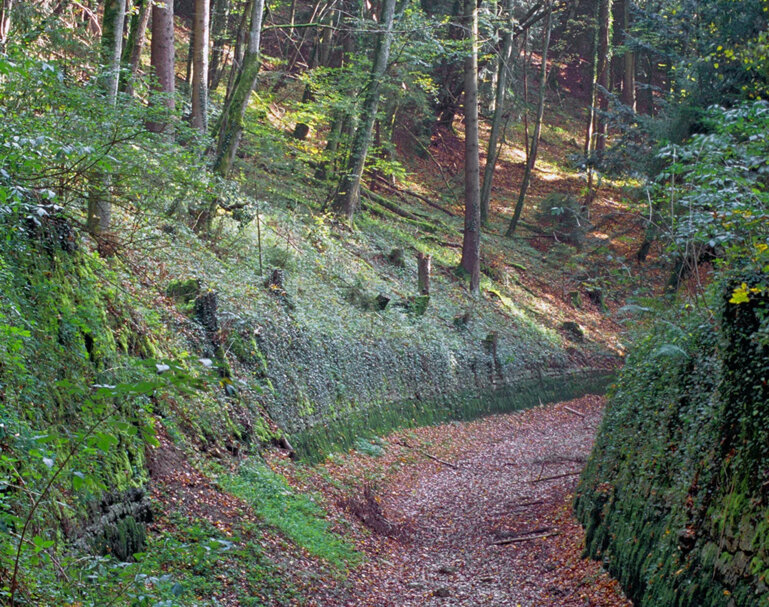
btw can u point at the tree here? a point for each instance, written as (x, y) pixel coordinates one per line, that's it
(99, 203)
(112, 45)
(471, 241)
(531, 153)
(628, 60)
(219, 17)
(132, 52)
(500, 95)
(231, 125)
(5, 22)
(162, 55)
(349, 187)
(199, 116)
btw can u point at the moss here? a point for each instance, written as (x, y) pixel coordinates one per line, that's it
(343, 431)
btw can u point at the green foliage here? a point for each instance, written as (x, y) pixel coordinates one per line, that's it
(717, 185)
(298, 516)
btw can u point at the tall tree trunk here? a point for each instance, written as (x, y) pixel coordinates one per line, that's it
(532, 154)
(241, 42)
(471, 241)
(604, 72)
(137, 35)
(450, 76)
(112, 45)
(349, 187)
(99, 207)
(220, 15)
(5, 22)
(628, 72)
(199, 116)
(162, 56)
(231, 126)
(499, 109)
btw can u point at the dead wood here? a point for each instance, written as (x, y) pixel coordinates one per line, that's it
(428, 455)
(550, 478)
(575, 412)
(514, 540)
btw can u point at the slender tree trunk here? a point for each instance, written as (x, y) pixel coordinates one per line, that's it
(132, 53)
(500, 96)
(219, 17)
(604, 72)
(162, 56)
(199, 116)
(628, 72)
(531, 158)
(5, 22)
(231, 127)
(349, 188)
(99, 207)
(241, 42)
(112, 45)
(471, 242)
(190, 52)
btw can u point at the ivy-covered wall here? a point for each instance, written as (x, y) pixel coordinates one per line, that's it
(675, 497)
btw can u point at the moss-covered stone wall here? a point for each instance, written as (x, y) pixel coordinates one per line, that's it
(675, 497)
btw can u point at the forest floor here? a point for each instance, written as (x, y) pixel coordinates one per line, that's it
(466, 514)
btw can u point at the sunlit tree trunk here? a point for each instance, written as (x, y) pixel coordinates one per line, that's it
(162, 55)
(532, 155)
(5, 22)
(221, 13)
(231, 126)
(471, 242)
(99, 208)
(134, 46)
(199, 117)
(499, 110)
(112, 45)
(604, 72)
(349, 187)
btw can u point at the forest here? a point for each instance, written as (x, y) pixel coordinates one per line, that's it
(385, 303)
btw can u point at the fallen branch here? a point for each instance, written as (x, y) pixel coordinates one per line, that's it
(550, 478)
(515, 540)
(570, 410)
(428, 455)
(424, 199)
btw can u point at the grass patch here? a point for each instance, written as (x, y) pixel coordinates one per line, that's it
(299, 517)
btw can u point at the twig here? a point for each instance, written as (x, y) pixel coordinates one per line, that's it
(514, 540)
(550, 478)
(570, 410)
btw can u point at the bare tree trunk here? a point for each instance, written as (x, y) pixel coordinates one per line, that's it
(162, 56)
(604, 72)
(220, 14)
(531, 157)
(500, 96)
(628, 75)
(471, 241)
(137, 36)
(231, 126)
(99, 206)
(199, 116)
(5, 22)
(241, 42)
(349, 188)
(112, 45)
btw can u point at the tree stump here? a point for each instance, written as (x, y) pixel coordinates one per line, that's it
(424, 266)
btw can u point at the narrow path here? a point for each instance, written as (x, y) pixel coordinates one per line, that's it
(485, 521)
